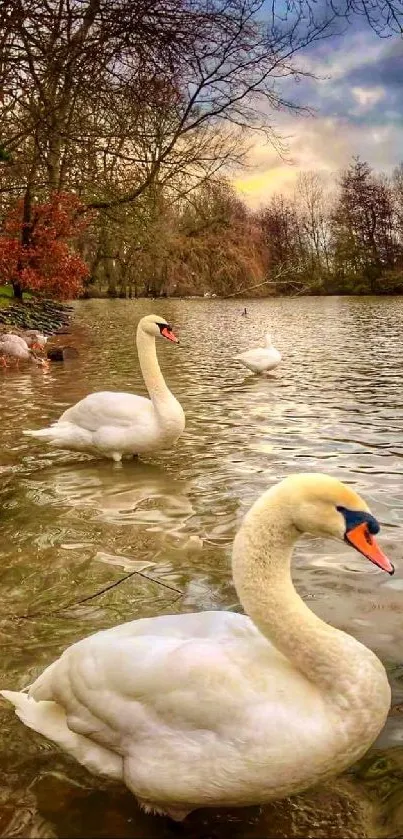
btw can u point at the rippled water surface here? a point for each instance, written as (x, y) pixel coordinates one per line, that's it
(85, 544)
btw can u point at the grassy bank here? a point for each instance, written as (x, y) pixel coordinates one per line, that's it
(7, 295)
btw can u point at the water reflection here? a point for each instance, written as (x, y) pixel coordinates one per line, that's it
(85, 546)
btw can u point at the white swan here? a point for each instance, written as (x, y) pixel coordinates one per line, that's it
(114, 424)
(260, 359)
(217, 708)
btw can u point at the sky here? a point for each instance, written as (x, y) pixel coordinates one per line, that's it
(358, 110)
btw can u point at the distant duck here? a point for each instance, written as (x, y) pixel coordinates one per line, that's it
(244, 313)
(261, 359)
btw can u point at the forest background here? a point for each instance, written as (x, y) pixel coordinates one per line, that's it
(123, 126)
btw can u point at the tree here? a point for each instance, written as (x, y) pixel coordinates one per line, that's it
(313, 212)
(364, 236)
(283, 237)
(42, 260)
(136, 83)
(219, 242)
(397, 191)
(107, 98)
(172, 244)
(385, 17)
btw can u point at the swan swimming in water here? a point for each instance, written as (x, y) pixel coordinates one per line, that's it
(260, 359)
(116, 424)
(219, 709)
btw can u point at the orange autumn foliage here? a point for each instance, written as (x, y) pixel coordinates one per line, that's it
(38, 254)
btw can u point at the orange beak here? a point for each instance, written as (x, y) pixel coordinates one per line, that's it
(362, 540)
(167, 333)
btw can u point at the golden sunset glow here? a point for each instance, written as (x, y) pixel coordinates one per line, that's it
(256, 188)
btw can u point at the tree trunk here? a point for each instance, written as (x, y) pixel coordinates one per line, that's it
(17, 289)
(25, 240)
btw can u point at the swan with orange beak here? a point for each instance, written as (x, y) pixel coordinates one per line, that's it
(269, 702)
(114, 424)
(360, 530)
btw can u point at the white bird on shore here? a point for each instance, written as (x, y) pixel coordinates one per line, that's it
(31, 337)
(14, 348)
(36, 340)
(218, 709)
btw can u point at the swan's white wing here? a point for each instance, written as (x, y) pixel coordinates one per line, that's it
(197, 708)
(260, 355)
(260, 359)
(160, 676)
(108, 408)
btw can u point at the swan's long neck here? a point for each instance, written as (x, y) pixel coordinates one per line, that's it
(160, 395)
(261, 569)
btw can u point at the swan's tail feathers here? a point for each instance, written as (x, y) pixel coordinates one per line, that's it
(49, 719)
(46, 717)
(46, 433)
(63, 435)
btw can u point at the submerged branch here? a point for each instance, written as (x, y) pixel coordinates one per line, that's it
(89, 597)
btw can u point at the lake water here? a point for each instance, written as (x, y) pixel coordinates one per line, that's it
(85, 544)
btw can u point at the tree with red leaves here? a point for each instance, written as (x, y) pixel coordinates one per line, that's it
(35, 247)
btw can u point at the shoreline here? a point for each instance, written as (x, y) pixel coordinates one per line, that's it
(47, 316)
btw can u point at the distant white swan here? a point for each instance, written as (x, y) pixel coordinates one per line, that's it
(261, 359)
(116, 424)
(217, 709)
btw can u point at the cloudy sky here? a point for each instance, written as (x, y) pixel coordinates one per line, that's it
(358, 104)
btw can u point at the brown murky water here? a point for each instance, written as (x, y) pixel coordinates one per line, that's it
(85, 545)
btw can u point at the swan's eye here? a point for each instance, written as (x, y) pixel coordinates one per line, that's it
(166, 326)
(355, 517)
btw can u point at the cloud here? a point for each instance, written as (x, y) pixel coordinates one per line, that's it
(325, 145)
(339, 57)
(358, 110)
(386, 70)
(367, 97)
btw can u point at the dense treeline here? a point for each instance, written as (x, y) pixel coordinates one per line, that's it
(136, 109)
(343, 235)
(338, 237)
